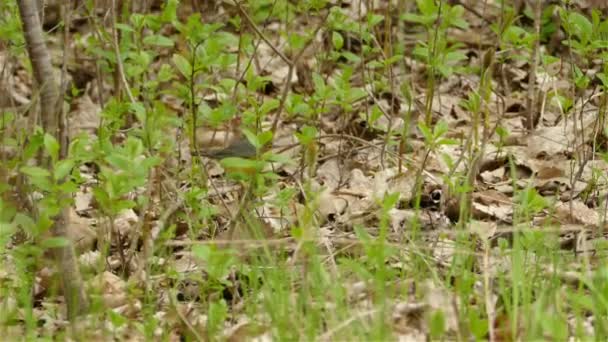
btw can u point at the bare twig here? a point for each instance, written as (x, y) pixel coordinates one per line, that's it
(531, 100)
(121, 71)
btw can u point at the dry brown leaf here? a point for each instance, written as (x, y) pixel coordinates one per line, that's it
(329, 174)
(80, 232)
(330, 205)
(580, 214)
(84, 117)
(113, 289)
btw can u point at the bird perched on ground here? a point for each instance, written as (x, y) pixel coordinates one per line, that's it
(234, 151)
(238, 158)
(239, 148)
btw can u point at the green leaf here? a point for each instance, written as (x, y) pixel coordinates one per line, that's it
(426, 132)
(455, 56)
(119, 161)
(35, 172)
(374, 19)
(427, 7)
(456, 20)
(139, 110)
(124, 27)
(440, 129)
(337, 40)
(307, 134)
(319, 83)
(26, 223)
(158, 40)
(390, 201)
(580, 26)
(375, 114)
(117, 319)
(6, 233)
(63, 168)
(264, 138)
(268, 106)
(54, 242)
(604, 78)
(51, 146)
(183, 65)
(165, 73)
(437, 324)
(169, 13)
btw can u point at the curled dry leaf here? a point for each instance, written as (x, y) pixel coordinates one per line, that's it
(125, 221)
(248, 331)
(80, 231)
(82, 201)
(112, 288)
(492, 204)
(330, 205)
(577, 212)
(439, 299)
(485, 230)
(84, 117)
(329, 174)
(549, 141)
(390, 181)
(273, 66)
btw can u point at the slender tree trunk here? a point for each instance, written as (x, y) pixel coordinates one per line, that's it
(73, 290)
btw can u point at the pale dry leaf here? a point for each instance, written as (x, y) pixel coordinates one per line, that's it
(559, 139)
(125, 221)
(335, 146)
(580, 213)
(442, 300)
(357, 291)
(437, 163)
(186, 262)
(112, 287)
(358, 182)
(331, 205)
(328, 174)
(246, 330)
(492, 204)
(493, 176)
(409, 320)
(400, 217)
(412, 336)
(280, 220)
(355, 9)
(390, 181)
(84, 117)
(380, 185)
(89, 260)
(16, 84)
(358, 211)
(80, 231)
(273, 66)
(444, 249)
(485, 230)
(82, 201)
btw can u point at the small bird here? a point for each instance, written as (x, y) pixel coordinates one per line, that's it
(240, 148)
(238, 159)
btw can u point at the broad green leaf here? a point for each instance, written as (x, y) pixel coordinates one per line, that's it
(158, 40)
(51, 146)
(54, 242)
(63, 168)
(183, 65)
(337, 40)
(35, 172)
